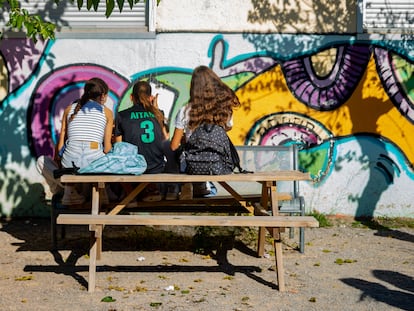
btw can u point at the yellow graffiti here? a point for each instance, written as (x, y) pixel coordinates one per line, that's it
(368, 110)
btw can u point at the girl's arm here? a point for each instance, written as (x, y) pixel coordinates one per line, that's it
(108, 130)
(176, 139)
(62, 137)
(164, 132)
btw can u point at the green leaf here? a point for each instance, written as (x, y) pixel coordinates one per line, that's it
(339, 261)
(19, 22)
(24, 278)
(80, 4)
(29, 28)
(95, 4)
(89, 4)
(110, 4)
(24, 12)
(108, 299)
(14, 4)
(120, 4)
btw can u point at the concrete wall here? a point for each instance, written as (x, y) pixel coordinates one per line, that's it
(348, 103)
(258, 16)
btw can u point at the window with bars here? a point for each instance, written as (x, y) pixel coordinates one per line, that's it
(72, 22)
(388, 16)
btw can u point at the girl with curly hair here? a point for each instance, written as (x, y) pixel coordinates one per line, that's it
(211, 102)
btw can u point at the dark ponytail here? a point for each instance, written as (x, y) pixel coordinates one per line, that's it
(141, 92)
(93, 88)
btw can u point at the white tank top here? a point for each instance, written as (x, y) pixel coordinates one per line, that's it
(88, 124)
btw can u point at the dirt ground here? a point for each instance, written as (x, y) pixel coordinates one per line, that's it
(344, 267)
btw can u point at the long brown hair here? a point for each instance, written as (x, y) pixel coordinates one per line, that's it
(93, 88)
(141, 93)
(211, 100)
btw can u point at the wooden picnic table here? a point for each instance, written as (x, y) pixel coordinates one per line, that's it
(269, 198)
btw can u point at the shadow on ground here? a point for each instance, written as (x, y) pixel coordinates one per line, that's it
(35, 235)
(402, 299)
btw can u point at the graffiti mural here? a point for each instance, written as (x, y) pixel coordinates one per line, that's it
(349, 108)
(55, 91)
(19, 61)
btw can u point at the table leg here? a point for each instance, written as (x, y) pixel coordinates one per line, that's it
(280, 273)
(95, 238)
(93, 254)
(262, 231)
(261, 241)
(277, 241)
(95, 198)
(95, 211)
(274, 202)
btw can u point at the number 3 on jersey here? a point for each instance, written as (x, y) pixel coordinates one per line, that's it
(148, 136)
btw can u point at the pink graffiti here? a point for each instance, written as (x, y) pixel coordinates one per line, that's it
(56, 91)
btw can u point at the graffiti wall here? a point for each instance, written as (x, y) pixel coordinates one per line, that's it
(348, 105)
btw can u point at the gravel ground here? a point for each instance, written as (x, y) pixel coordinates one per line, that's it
(343, 268)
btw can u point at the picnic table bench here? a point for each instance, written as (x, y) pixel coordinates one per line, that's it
(273, 222)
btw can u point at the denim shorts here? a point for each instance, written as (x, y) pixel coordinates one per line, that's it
(81, 153)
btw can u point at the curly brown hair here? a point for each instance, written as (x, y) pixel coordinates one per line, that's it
(211, 100)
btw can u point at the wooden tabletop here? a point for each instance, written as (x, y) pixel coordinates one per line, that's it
(289, 175)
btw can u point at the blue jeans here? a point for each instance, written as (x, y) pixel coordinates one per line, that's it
(81, 153)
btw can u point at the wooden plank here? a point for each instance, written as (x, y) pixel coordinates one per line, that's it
(188, 220)
(230, 190)
(183, 209)
(280, 271)
(209, 201)
(288, 175)
(128, 198)
(93, 254)
(262, 230)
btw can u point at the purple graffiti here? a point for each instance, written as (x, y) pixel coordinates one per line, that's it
(21, 57)
(332, 91)
(255, 64)
(391, 84)
(55, 92)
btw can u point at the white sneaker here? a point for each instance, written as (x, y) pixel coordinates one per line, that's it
(72, 197)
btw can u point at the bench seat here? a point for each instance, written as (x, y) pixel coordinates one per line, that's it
(188, 220)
